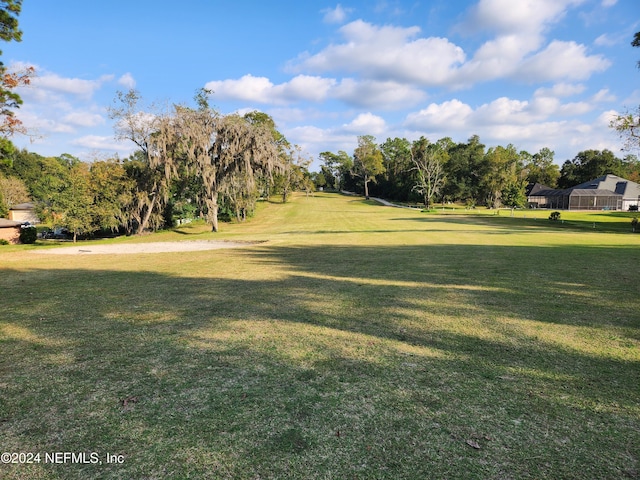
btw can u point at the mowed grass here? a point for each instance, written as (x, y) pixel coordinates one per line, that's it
(356, 341)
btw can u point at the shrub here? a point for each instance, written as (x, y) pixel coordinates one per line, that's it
(554, 216)
(634, 224)
(4, 242)
(28, 234)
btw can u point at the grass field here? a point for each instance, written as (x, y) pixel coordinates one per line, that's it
(356, 341)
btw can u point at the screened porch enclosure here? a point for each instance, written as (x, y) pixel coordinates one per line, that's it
(576, 199)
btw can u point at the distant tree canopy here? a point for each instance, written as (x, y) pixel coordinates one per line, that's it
(442, 171)
(591, 164)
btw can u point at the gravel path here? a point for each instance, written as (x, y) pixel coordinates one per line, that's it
(151, 247)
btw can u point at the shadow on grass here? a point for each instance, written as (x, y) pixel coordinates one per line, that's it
(352, 362)
(532, 222)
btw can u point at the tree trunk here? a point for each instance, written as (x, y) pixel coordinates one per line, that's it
(214, 218)
(366, 188)
(212, 214)
(145, 221)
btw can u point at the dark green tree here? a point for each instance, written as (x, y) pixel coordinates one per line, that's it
(73, 207)
(336, 167)
(399, 177)
(367, 161)
(513, 196)
(464, 171)
(500, 168)
(588, 165)
(541, 168)
(112, 191)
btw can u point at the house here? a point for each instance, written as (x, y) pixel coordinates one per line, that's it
(10, 230)
(24, 212)
(630, 191)
(607, 192)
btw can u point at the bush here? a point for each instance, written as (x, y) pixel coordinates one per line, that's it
(634, 224)
(28, 234)
(4, 242)
(554, 216)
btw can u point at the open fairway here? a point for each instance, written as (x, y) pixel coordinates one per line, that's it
(352, 340)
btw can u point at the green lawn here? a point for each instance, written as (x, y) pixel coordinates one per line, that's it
(356, 341)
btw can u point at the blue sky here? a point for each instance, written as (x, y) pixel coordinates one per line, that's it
(533, 73)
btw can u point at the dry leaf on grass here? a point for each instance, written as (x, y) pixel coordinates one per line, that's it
(474, 444)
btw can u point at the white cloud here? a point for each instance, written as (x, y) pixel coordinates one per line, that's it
(543, 121)
(387, 53)
(305, 87)
(450, 114)
(336, 15)
(504, 113)
(314, 139)
(399, 54)
(366, 124)
(373, 94)
(609, 3)
(97, 142)
(308, 133)
(561, 60)
(43, 125)
(247, 88)
(509, 17)
(496, 58)
(83, 119)
(560, 90)
(127, 81)
(74, 86)
(603, 95)
(504, 110)
(363, 94)
(262, 90)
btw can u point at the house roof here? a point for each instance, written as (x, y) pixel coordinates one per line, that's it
(5, 223)
(592, 192)
(534, 188)
(549, 192)
(23, 206)
(622, 186)
(606, 185)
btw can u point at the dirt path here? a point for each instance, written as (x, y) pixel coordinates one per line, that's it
(151, 247)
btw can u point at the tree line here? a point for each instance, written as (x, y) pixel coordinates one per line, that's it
(195, 163)
(445, 171)
(188, 163)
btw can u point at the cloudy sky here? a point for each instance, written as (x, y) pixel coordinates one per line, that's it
(534, 73)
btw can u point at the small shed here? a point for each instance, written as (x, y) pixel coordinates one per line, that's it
(10, 230)
(24, 212)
